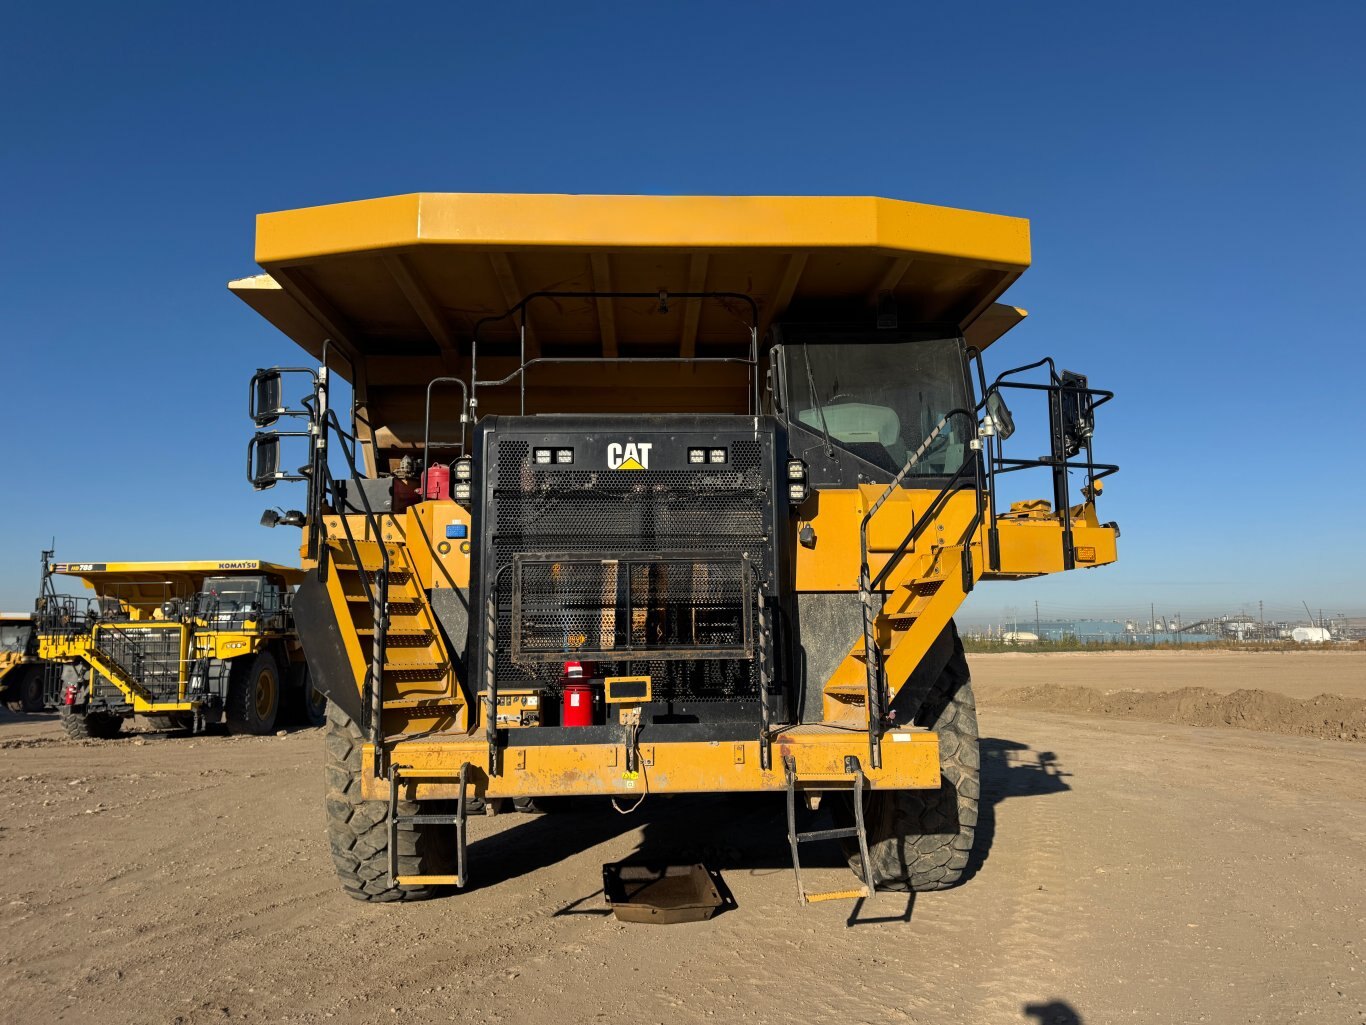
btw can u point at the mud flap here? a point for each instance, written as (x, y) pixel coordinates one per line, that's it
(321, 637)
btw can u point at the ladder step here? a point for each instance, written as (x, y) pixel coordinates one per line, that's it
(409, 657)
(827, 834)
(400, 638)
(430, 702)
(858, 831)
(847, 690)
(460, 820)
(408, 673)
(855, 894)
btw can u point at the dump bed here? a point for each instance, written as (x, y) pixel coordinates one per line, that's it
(148, 584)
(402, 286)
(411, 275)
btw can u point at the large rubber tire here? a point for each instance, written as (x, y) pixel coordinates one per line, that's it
(253, 695)
(309, 705)
(358, 830)
(920, 840)
(90, 726)
(26, 694)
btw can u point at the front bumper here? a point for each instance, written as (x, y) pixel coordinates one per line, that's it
(428, 768)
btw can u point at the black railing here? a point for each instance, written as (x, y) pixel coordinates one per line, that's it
(1064, 393)
(872, 593)
(372, 687)
(1072, 406)
(61, 615)
(215, 612)
(662, 296)
(126, 655)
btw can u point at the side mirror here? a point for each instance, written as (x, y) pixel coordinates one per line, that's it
(263, 461)
(280, 518)
(1000, 415)
(266, 402)
(1078, 413)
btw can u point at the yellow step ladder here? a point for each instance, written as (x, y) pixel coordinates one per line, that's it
(857, 830)
(459, 820)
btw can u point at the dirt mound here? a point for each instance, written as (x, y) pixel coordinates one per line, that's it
(1327, 716)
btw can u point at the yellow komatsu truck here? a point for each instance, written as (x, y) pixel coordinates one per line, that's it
(644, 495)
(21, 670)
(185, 644)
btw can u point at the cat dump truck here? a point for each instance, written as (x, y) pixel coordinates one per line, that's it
(186, 644)
(21, 670)
(637, 496)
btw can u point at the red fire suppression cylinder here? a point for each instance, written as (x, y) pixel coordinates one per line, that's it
(436, 483)
(576, 701)
(577, 707)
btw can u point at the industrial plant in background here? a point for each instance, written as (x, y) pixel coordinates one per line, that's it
(1174, 630)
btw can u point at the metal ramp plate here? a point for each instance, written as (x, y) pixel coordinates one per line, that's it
(661, 896)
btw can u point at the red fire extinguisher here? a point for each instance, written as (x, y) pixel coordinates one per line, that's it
(436, 483)
(577, 697)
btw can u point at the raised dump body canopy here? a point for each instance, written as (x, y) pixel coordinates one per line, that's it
(143, 586)
(399, 285)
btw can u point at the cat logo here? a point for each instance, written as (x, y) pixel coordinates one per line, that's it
(631, 456)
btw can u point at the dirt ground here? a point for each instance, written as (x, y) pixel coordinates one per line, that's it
(1127, 872)
(1309, 694)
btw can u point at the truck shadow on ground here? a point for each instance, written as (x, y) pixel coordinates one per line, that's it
(729, 833)
(1052, 1012)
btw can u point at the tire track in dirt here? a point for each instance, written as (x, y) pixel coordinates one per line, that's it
(1029, 868)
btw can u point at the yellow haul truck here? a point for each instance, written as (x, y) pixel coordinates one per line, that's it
(186, 644)
(21, 670)
(655, 495)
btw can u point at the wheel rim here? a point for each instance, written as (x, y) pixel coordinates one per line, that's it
(317, 701)
(265, 694)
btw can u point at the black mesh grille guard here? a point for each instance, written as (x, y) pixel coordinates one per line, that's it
(654, 606)
(656, 569)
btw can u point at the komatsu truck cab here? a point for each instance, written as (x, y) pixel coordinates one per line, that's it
(644, 495)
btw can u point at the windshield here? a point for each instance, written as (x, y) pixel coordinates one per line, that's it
(880, 400)
(236, 594)
(14, 636)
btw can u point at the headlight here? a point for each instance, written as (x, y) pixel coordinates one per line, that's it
(460, 491)
(542, 456)
(697, 455)
(798, 486)
(564, 455)
(464, 468)
(716, 455)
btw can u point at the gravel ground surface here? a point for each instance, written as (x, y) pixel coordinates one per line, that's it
(1128, 871)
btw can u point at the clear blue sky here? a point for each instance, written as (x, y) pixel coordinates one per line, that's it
(1196, 179)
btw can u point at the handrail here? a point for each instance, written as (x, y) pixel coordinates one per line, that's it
(663, 295)
(868, 584)
(987, 461)
(427, 423)
(136, 675)
(378, 596)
